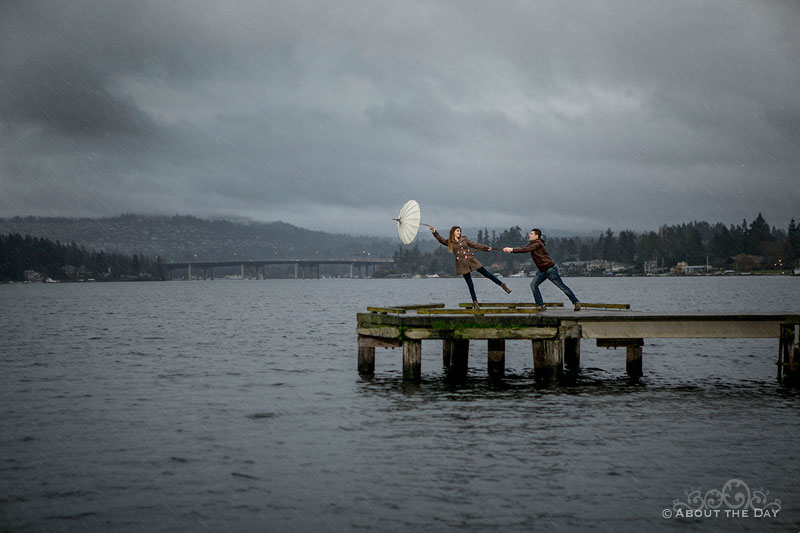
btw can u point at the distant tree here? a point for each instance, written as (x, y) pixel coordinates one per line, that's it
(744, 263)
(759, 234)
(647, 246)
(691, 245)
(740, 235)
(722, 243)
(511, 237)
(626, 246)
(793, 238)
(609, 246)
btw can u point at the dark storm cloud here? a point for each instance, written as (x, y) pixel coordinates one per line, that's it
(582, 115)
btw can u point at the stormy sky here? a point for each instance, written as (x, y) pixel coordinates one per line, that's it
(572, 115)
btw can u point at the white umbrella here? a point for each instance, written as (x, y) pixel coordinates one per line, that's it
(408, 222)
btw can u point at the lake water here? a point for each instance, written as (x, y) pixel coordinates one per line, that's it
(236, 406)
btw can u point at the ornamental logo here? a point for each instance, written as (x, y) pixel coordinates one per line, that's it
(735, 500)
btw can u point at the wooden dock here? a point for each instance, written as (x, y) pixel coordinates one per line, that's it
(555, 334)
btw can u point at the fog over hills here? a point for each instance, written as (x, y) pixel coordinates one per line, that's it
(179, 238)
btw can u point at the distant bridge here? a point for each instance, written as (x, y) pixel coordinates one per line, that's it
(203, 268)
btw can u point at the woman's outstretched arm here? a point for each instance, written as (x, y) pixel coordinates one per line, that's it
(438, 237)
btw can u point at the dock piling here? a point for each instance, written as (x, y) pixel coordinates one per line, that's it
(366, 360)
(633, 360)
(633, 354)
(572, 346)
(548, 359)
(455, 357)
(497, 357)
(412, 360)
(788, 353)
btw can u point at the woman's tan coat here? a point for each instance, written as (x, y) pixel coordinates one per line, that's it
(465, 260)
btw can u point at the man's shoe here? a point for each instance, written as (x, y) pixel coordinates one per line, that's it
(578, 306)
(505, 288)
(541, 308)
(475, 306)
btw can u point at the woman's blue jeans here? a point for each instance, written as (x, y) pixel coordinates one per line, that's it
(486, 273)
(553, 275)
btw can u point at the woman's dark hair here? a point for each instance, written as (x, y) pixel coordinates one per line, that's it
(451, 239)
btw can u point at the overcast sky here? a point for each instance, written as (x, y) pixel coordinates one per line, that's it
(573, 115)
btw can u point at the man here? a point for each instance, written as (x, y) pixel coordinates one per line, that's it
(547, 268)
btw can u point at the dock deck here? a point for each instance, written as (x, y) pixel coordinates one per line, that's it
(555, 334)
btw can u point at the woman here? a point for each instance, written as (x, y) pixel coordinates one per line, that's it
(465, 260)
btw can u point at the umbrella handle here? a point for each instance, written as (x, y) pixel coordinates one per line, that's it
(421, 223)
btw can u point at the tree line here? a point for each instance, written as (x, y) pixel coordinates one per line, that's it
(742, 247)
(34, 258)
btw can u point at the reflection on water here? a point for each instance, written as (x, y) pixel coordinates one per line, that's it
(235, 405)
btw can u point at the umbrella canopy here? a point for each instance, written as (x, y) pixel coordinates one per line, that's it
(408, 222)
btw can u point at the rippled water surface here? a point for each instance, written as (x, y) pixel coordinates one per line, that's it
(236, 406)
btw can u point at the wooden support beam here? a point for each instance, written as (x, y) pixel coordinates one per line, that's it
(638, 328)
(633, 354)
(572, 346)
(511, 304)
(619, 343)
(412, 360)
(482, 311)
(447, 353)
(788, 353)
(481, 333)
(794, 365)
(366, 360)
(588, 305)
(455, 358)
(633, 361)
(784, 356)
(497, 357)
(385, 310)
(419, 306)
(366, 341)
(548, 359)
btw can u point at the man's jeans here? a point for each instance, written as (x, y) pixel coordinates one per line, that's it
(553, 275)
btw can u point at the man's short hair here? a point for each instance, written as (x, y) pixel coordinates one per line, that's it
(537, 231)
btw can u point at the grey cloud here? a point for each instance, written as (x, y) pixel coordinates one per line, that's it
(586, 113)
